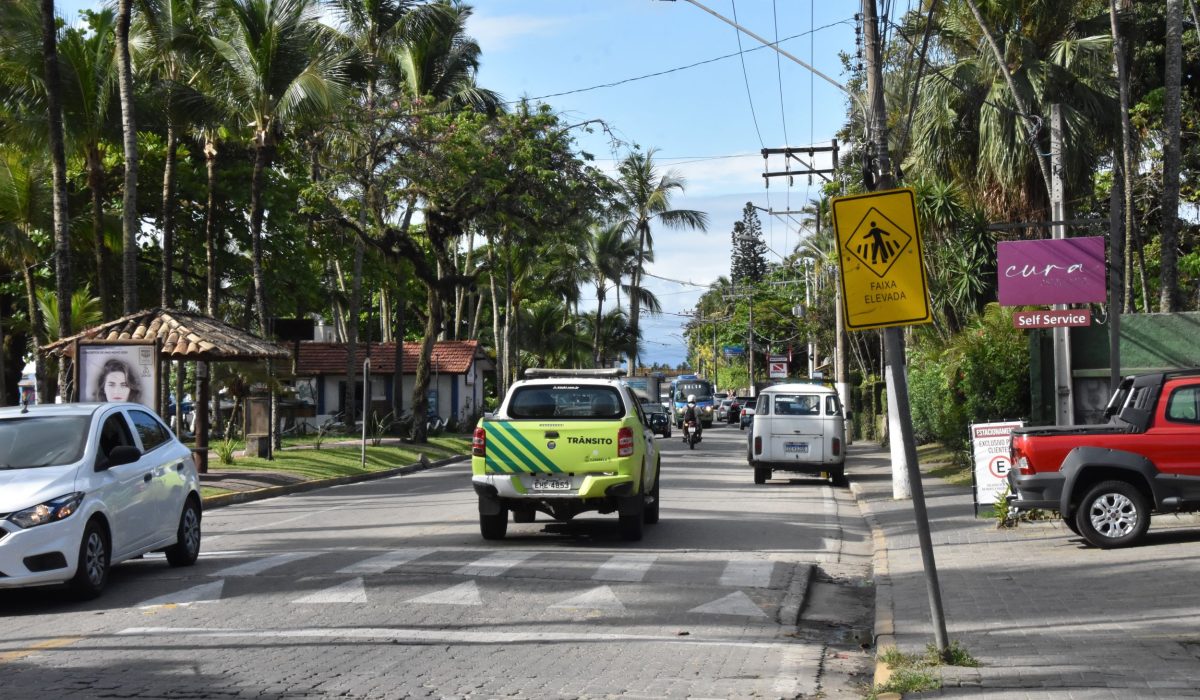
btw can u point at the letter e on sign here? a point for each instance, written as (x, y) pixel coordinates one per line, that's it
(999, 466)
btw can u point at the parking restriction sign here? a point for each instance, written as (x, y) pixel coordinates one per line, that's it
(880, 256)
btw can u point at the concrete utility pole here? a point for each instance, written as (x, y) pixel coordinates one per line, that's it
(1064, 403)
(894, 340)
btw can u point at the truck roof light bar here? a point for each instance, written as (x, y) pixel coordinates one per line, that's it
(549, 373)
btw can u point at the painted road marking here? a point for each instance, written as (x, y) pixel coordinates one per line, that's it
(462, 594)
(258, 566)
(625, 567)
(599, 598)
(204, 593)
(384, 562)
(736, 603)
(425, 635)
(351, 591)
(747, 574)
(19, 654)
(495, 564)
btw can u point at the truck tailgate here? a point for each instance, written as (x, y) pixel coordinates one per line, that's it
(550, 447)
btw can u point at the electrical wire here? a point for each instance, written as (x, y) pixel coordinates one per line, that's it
(746, 75)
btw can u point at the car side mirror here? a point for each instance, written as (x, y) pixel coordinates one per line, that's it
(122, 454)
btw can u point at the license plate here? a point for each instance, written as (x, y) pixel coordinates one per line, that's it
(551, 483)
(796, 447)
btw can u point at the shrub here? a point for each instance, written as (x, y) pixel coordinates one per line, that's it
(224, 449)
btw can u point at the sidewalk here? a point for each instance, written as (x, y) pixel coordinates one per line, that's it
(1046, 615)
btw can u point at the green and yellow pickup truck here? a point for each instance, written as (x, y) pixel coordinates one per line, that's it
(565, 442)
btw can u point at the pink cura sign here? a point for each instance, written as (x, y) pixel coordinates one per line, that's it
(1064, 271)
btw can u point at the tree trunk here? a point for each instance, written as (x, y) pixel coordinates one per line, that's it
(261, 158)
(460, 296)
(474, 334)
(398, 375)
(635, 281)
(58, 164)
(501, 385)
(1130, 163)
(1169, 276)
(129, 217)
(210, 229)
(385, 316)
(95, 166)
(350, 408)
(598, 352)
(420, 395)
(166, 220)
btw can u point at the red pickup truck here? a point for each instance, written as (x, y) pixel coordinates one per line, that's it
(1106, 480)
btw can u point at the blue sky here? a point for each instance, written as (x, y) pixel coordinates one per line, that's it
(707, 121)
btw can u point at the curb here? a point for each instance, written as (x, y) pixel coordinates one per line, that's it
(228, 499)
(797, 595)
(885, 624)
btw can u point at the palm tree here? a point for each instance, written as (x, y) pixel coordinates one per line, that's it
(24, 209)
(171, 40)
(609, 251)
(58, 168)
(439, 60)
(88, 61)
(278, 62)
(129, 217)
(644, 196)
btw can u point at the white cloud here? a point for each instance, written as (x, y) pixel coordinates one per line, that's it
(496, 33)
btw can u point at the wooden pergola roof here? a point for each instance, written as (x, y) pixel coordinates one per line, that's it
(181, 335)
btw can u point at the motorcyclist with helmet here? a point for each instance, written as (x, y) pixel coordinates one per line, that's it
(692, 413)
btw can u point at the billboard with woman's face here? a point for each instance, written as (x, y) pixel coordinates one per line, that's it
(124, 372)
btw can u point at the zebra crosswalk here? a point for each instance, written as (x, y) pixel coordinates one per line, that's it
(329, 578)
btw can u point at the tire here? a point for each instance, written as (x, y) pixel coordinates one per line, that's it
(837, 477)
(667, 435)
(91, 572)
(493, 527)
(631, 527)
(524, 516)
(187, 544)
(692, 442)
(761, 474)
(1070, 523)
(650, 514)
(1113, 514)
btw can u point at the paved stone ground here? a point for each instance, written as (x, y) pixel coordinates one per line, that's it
(1046, 615)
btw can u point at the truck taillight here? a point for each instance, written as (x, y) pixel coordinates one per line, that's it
(757, 445)
(837, 447)
(625, 442)
(1019, 460)
(479, 443)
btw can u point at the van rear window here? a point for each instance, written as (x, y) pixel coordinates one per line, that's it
(598, 402)
(797, 405)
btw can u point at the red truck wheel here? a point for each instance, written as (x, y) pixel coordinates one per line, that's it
(1113, 514)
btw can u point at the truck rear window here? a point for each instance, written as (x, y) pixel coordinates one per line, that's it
(566, 401)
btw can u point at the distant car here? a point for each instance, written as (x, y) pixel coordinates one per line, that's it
(659, 418)
(85, 486)
(723, 409)
(733, 413)
(747, 415)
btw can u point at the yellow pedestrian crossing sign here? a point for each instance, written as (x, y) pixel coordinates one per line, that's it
(880, 256)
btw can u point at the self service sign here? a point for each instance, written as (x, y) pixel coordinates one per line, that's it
(879, 253)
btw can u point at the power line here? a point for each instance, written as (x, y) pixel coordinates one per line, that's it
(746, 76)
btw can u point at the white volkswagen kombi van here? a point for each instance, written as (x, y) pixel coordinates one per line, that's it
(798, 428)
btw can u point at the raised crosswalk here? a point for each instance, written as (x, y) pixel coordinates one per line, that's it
(354, 577)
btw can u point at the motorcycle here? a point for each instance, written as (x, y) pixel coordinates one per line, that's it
(690, 435)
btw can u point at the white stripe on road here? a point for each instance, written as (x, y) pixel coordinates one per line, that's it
(384, 562)
(253, 568)
(598, 598)
(494, 564)
(747, 574)
(625, 567)
(736, 603)
(462, 594)
(186, 635)
(351, 591)
(204, 593)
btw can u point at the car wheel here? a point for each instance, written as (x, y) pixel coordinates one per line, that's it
(91, 572)
(650, 514)
(187, 543)
(1070, 523)
(1113, 514)
(761, 474)
(631, 527)
(837, 476)
(493, 527)
(524, 516)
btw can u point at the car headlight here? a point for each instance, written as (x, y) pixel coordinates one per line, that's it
(708, 409)
(51, 511)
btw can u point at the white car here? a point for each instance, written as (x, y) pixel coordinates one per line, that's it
(85, 486)
(798, 428)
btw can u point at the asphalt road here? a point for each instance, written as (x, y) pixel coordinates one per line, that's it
(385, 590)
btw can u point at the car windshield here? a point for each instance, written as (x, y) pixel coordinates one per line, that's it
(566, 401)
(29, 442)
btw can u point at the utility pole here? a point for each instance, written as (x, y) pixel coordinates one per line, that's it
(809, 168)
(1064, 404)
(894, 340)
